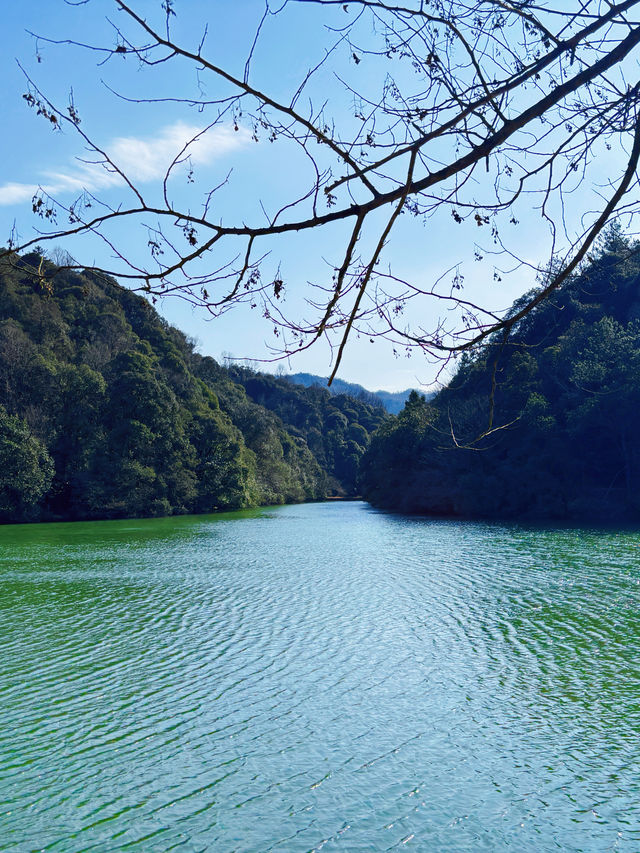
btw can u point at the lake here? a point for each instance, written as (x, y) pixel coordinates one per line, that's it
(319, 677)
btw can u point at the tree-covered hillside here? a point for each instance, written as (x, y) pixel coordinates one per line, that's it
(336, 427)
(544, 424)
(106, 411)
(392, 401)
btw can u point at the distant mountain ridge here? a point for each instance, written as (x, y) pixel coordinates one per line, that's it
(392, 401)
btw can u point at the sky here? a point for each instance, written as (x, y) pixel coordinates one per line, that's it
(143, 138)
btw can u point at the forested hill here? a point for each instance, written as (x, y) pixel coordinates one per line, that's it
(106, 411)
(336, 427)
(559, 436)
(392, 401)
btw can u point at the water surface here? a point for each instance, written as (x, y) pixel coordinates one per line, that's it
(319, 677)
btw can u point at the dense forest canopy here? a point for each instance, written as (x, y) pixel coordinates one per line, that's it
(542, 423)
(107, 411)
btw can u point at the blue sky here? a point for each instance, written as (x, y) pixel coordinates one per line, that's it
(144, 138)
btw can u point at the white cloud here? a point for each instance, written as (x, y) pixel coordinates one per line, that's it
(142, 160)
(16, 193)
(148, 159)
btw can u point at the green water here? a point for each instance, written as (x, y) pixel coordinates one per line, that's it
(319, 677)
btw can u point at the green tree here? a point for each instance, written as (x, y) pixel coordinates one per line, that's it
(543, 424)
(148, 463)
(26, 469)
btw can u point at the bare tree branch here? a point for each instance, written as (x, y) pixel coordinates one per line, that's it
(470, 112)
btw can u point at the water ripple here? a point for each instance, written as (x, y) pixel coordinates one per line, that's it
(322, 677)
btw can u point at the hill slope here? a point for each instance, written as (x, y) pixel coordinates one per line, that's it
(107, 411)
(559, 436)
(392, 401)
(336, 427)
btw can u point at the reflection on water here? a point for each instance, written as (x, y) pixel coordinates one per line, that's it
(319, 677)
